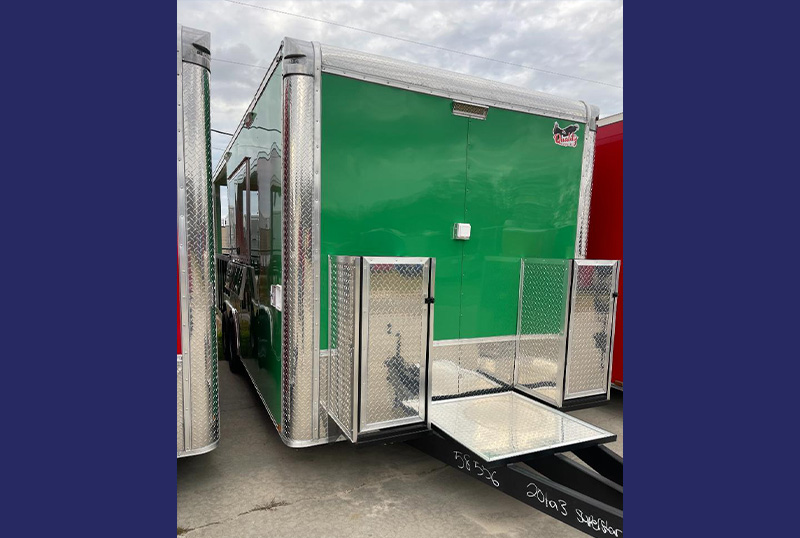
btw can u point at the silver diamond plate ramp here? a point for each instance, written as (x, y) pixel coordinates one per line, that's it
(507, 425)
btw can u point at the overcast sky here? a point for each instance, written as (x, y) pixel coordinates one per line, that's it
(578, 38)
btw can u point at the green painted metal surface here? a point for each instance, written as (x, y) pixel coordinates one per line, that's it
(393, 175)
(399, 170)
(522, 202)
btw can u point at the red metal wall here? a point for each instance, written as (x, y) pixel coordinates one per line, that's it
(605, 220)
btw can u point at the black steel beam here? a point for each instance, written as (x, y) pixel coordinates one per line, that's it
(561, 469)
(572, 507)
(602, 460)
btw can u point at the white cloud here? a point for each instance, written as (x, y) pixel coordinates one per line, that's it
(579, 38)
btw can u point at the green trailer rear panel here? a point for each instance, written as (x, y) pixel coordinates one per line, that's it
(399, 169)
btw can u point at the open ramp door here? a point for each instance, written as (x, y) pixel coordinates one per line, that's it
(507, 426)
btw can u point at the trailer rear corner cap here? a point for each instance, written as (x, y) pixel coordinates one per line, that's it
(592, 116)
(298, 57)
(196, 46)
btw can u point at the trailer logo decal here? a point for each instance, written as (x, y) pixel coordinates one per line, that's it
(566, 137)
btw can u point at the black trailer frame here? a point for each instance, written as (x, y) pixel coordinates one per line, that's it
(588, 499)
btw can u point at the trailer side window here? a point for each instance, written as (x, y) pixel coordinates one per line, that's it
(255, 232)
(222, 211)
(237, 212)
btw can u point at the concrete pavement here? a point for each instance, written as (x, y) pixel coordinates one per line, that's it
(252, 485)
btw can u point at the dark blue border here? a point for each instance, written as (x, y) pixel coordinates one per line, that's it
(91, 197)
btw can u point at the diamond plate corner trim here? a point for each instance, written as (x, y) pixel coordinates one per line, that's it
(300, 346)
(181, 440)
(542, 333)
(196, 238)
(435, 81)
(185, 395)
(585, 195)
(590, 323)
(320, 419)
(343, 370)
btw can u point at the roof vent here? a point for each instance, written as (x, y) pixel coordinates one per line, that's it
(470, 110)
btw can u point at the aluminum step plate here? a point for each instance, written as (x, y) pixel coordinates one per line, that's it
(508, 425)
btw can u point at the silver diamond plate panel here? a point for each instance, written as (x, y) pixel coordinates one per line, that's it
(585, 196)
(395, 333)
(591, 318)
(202, 348)
(300, 334)
(472, 366)
(458, 86)
(541, 356)
(180, 406)
(504, 425)
(343, 330)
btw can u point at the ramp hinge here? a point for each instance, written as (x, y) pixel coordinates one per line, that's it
(429, 300)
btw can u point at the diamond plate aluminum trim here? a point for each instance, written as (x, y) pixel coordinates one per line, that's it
(585, 195)
(541, 355)
(344, 306)
(395, 333)
(300, 334)
(472, 366)
(504, 425)
(415, 77)
(202, 348)
(591, 318)
(180, 406)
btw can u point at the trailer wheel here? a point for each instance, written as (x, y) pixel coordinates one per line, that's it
(225, 345)
(234, 361)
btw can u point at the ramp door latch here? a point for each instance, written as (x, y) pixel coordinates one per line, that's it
(461, 231)
(429, 300)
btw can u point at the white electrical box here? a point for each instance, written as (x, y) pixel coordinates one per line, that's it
(461, 231)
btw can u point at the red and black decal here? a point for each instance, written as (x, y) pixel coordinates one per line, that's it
(566, 137)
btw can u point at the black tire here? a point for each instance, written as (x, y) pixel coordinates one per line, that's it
(226, 355)
(234, 361)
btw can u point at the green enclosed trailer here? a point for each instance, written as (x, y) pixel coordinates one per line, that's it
(404, 251)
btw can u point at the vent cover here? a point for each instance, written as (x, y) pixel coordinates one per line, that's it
(470, 110)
